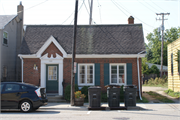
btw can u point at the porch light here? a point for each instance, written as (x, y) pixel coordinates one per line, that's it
(35, 67)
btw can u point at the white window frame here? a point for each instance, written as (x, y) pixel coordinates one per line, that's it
(125, 78)
(7, 39)
(86, 84)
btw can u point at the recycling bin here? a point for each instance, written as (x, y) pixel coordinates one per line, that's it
(130, 95)
(113, 95)
(94, 96)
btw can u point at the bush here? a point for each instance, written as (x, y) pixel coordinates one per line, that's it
(122, 94)
(103, 97)
(156, 82)
(84, 91)
(68, 92)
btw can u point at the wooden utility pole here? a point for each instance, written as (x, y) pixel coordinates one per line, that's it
(73, 54)
(90, 17)
(162, 36)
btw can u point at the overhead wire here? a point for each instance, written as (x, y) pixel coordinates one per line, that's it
(36, 5)
(146, 6)
(157, 6)
(99, 6)
(151, 6)
(78, 11)
(134, 15)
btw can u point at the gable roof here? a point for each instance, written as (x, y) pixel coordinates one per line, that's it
(5, 19)
(94, 39)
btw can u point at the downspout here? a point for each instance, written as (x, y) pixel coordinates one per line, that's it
(139, 75)
(22, 62)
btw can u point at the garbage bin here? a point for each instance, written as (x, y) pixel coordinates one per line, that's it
(130, 95)
(113, 95)
(94, 94)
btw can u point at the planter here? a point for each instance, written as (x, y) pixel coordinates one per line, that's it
(79, 101)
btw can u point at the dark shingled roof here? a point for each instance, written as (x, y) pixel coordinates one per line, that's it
(94, 39)
(5, 19)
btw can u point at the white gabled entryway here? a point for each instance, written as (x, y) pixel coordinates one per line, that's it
(45, 61)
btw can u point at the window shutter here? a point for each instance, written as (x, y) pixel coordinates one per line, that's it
(129, 73)
(76, 75)
(106, 73)
(97, 74)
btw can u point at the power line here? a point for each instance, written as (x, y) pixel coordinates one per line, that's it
(151, 6)
(72, 14)
(99, 6)
(146, 6)
(135, 16)
(36, 5)
(157, 5)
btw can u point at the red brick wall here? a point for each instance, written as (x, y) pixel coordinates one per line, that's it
(52, 49)
(67, 68)
(29, 74)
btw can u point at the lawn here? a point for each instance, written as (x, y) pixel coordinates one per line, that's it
(160, 97)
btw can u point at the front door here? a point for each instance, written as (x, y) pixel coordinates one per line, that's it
(52, 78)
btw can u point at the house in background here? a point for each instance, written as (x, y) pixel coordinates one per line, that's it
(105, 55)
(173, 71)
(11, 33)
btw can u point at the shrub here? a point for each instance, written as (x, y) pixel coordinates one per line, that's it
(157, 81)
(68, 92)
(103, 97)
(84, 91)
(122, 94)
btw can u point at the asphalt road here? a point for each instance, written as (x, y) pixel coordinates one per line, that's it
(57, 111)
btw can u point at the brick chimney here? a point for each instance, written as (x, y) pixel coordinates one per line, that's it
(131, 20)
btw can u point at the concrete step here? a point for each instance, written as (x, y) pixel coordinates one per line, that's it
(55, 98)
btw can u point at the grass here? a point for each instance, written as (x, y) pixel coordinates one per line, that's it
(160, 97)
(144, 100)
(172, 93)
(158, 85)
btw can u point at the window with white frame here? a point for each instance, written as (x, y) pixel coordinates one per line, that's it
(86, 74)
(5, 38)
(118, 74)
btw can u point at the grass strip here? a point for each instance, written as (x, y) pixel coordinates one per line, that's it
(172, 93)
(160, 97)
(144, 100)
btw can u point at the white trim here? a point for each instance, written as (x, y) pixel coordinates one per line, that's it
(93, 56)
(106, 55)
(86, 84)
(50, 40)
(58, 60)
(125, 76)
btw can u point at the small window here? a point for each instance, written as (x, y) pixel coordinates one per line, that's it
(117, 72)
(86, 74)
(171, 63)
(52, 72)
(5, 38)
(12, 87)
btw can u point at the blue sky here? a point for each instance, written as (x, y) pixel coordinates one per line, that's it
(104, 12)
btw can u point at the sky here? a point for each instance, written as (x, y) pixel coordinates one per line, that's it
(61, 12)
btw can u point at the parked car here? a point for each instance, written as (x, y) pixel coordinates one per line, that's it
(27, 97)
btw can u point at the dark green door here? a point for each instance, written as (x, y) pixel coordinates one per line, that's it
(52, 78)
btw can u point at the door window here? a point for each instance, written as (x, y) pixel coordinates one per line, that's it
(52, 72)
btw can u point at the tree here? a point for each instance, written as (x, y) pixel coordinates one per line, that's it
(154, 45)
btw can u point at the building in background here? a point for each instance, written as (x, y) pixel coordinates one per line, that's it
(11, 34)
(173, 66)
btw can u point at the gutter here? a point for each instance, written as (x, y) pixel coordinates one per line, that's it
(138, 74)
(22, 62)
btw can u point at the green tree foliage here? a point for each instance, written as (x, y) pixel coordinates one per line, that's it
(154, 46)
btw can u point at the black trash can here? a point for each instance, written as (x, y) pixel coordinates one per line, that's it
(94, 96)
(130, 96)
(113, 95)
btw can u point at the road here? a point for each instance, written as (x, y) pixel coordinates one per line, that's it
(155, 111)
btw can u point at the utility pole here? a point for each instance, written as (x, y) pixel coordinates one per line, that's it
(73, 54)
(162, 36)
(90, 17)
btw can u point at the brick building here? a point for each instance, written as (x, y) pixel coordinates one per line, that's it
(105, 55)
